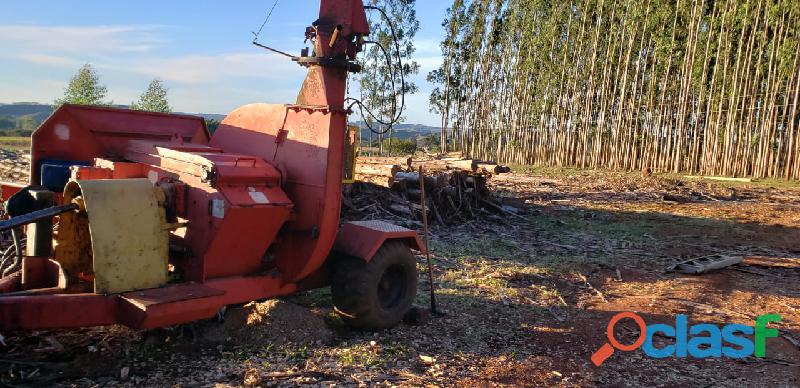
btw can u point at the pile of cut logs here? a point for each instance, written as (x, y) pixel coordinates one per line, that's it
(391, 188)
(382, 170)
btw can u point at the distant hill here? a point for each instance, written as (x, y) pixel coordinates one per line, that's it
(207, 116)
(19, 118)
(402, 131)
(38, 112)
(42, 111)
(26, 116)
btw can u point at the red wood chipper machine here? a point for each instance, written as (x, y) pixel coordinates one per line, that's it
(146, 220)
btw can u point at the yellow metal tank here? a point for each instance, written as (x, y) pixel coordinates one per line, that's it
(127, 247)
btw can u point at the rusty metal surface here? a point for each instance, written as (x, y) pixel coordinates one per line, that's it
(170, 294)
(378, 226)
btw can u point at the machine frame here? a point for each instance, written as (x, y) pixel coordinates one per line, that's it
(253, 210)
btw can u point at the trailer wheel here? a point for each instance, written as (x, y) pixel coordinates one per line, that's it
(375, 295)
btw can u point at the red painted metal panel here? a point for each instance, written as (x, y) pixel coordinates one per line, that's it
(168, 314)
(40, 272)
(350, 15)
(146, 309)
(359, 18)
(241, 239)
(362, 239)
(11, 283)
(310, 159)
(286, 155)
(166, 306)
(56, 311)
(107, 169)
(248, 196)
(246, 289)
(82, 133)
(7, 189)
(122, 170)
(90, 173)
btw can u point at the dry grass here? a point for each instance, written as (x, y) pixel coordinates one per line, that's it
(520, 308)
(16, 144)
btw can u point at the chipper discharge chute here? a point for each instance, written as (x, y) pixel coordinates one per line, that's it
(146, 220)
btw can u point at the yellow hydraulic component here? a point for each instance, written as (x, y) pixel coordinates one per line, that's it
(73, 244)
(128, 230)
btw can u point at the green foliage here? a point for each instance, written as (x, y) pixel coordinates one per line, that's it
(437, 98)
(84, 88)
(430, 143)
(26, 123)
(20, 133)
(381, 73)
(7, 123)
(212, 125)
(154, 99)
(21, 126)
(400, 146)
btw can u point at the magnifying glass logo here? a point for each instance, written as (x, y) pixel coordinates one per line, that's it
(605, 351)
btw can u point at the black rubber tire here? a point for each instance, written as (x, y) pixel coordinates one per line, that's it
(375, 295)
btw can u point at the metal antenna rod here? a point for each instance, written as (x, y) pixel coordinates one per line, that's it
(257, 34)
(427, 240)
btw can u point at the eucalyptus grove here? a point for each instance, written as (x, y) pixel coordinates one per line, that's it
(701, 86)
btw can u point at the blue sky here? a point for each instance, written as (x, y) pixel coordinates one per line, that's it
(200, 48)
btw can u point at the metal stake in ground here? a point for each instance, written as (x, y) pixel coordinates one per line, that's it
(424, 204)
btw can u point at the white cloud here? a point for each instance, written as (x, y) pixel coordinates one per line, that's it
(132, 49)
(38, 90)
(80, 39)
(49, 60)
(208, 68)
(427, 46)
(428, 64)
(428, 55)
(222, 99)
(417, 106)
(40, 59)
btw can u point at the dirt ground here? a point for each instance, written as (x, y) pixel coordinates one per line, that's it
(527, 300)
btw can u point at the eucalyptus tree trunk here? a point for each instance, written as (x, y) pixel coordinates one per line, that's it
(696, 86)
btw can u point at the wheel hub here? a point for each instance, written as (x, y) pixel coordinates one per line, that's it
(391, 287)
